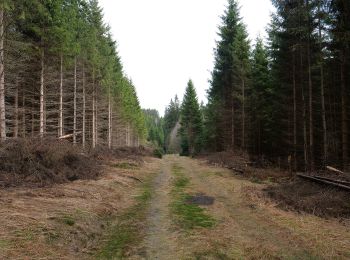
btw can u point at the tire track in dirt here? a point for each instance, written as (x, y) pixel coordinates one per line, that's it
(160, 241)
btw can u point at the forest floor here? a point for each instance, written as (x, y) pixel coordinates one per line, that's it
(174, 208)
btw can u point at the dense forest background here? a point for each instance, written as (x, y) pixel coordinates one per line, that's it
(284, 99)
(61, 75)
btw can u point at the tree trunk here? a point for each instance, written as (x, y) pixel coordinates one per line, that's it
(32, 117)
(60, 127)
(323, 103)
(304, 113)
(344, 114)
(243, 114)
(75, 103)
(93, 110)
(126, 136)
(311, 130)
(232, 126)
(109, 119)
(2, 79)
(294, 115)
(42, 95)
(84, 109)
(23, 114)
(15, 130)
(96, 118)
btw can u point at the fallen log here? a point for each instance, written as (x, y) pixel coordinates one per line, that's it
(336, 181)
(331, 183)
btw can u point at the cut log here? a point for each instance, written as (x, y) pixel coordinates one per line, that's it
(331, 183)
(70, 135)
(332, 169)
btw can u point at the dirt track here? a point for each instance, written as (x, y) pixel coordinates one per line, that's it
(247, 226)
(160, 241)
(69, 221)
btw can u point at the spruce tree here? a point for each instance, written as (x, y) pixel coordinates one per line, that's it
(260, 102)
(191, 122)
(226, 116)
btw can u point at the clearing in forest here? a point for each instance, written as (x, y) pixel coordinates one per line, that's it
(228, 221)
(174, 208)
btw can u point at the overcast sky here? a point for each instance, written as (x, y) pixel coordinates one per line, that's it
(164, 43)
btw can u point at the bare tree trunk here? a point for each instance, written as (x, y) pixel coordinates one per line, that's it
(96, 118)
(243, 114)
(109, 119)
(32, 117)
(304, 112)
(15, 130)
(323, 103)
(93, 110)
(126, 136)
(344, 115)
(23, 114)
(84, 109)
(294, 116)
(42, 95)
(311, 130)
(232, 126)
(75, 103)
(2, 78)
(60, 128)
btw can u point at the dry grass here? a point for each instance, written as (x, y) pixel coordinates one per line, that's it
(302, 196)
(288, 192)
(251, 227)
(65, 221)
(241, 166)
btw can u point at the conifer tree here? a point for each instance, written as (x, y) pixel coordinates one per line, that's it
(260, 102)
(191, 122)
(64, 76)
(226, 115)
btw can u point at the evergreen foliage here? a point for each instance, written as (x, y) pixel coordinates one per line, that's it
(191, 122)
(155, 128)
(225, 120)
(171, 118)
(64, 45)
(290, 102)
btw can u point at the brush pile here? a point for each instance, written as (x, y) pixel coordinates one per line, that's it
(38, 163)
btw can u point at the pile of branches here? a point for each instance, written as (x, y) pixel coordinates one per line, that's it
(309, 197)
(41, 162)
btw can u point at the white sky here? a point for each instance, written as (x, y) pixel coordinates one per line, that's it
(164, 43)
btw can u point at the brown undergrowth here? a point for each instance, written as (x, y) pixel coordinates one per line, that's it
(41, 162)
(285, 190)
(68, 220)
(242, 166)
(302, 196)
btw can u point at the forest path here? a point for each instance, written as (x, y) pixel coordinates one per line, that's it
(246, 225)
(160, 240)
